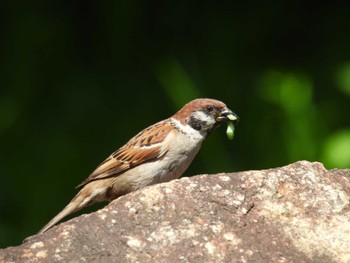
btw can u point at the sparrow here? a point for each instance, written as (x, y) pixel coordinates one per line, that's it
(159, 153)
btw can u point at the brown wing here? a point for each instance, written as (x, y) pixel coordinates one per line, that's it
(145, 146)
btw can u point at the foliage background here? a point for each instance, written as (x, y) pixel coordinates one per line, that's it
(79, 78)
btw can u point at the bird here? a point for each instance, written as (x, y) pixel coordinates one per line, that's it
(160, 153)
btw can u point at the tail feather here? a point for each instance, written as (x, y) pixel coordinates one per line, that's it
(87, 196)
(77, 203)
(69, 209)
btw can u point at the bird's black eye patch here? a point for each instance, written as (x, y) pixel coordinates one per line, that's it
(209, 109)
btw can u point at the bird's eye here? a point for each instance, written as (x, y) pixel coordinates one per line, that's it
(209, 108)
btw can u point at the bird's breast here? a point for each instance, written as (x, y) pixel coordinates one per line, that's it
(179, 153)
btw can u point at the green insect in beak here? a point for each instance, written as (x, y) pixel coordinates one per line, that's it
(230, 127)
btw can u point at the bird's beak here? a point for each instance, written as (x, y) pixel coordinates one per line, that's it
(227, 115)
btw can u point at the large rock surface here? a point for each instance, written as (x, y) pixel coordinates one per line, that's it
(297, 213)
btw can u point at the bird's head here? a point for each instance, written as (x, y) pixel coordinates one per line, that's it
(205, 115)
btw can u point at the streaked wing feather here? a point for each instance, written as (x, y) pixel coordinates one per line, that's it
(145, 146)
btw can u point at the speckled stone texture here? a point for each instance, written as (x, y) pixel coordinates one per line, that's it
(297, 213)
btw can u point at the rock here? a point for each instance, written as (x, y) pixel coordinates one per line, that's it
(297, 213)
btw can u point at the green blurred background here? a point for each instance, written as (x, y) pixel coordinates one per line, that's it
(79, 78)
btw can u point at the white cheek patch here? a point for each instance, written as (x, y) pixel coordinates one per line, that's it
(194, 134)
(200, 115)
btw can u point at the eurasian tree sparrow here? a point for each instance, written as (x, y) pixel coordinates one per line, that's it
(159, 153)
